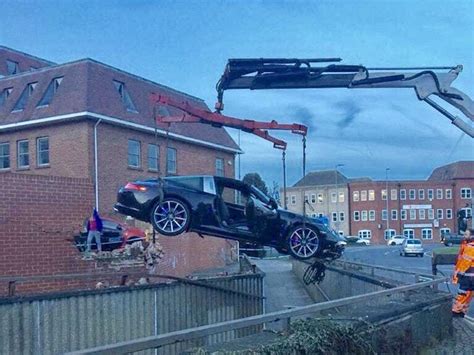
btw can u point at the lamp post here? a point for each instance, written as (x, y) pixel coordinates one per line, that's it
(386, 196)
(337, 196)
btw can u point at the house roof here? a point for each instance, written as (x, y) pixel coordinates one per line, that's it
(26, 62)
(453, 171)
(324, 177)
(88, 86)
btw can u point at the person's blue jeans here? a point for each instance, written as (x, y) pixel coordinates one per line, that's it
(93, 235)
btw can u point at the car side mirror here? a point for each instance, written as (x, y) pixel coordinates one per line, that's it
(273, 203)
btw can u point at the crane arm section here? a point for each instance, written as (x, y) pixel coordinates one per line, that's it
(268, 73)
(191, 113)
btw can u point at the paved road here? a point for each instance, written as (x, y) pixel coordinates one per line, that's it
(390, 257)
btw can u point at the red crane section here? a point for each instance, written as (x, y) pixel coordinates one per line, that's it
(191, 113)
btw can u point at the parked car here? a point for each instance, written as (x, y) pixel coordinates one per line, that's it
(114, 235)
(363, 241)
(413, 247)
(451, 239)
(396, 240)
(226, 208)
(354, 239)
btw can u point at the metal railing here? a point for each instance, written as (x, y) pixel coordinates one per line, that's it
(284, 315)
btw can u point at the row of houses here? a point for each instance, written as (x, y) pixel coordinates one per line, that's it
(377, 209)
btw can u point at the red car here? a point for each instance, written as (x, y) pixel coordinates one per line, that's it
(114, 235)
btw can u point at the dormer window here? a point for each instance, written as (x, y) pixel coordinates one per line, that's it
(22, 101)
(50, 92)
(125, 96)
(12, 67)
(4, 95)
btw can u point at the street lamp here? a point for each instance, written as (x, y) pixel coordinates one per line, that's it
(337, 196)
(386, 197)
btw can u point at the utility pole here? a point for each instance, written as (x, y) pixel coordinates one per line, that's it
(337, 197)
(386, 196)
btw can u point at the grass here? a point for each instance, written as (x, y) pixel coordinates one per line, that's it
(446, 250)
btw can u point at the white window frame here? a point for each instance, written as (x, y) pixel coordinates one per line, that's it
(427, 233)
(365, 234)
(412, 194)
(371, 195)
(449, 213)
(448, 193)
(439, 194)
(320, 198)
(388, 233)
(19, 155)
(153, 158)
(430, 194)
(384, 215)
(393, 194)
(439, 213)
(431, 214)
(356, 216)
(293, 199)
(39, 152)
(403, 215)
(363, 195)
(394, 215)
(412, 215)
(444, 231)
(132, 154)
(313, 198)
(422, 214)
(333, 197)
(363, 215)
(383, 194)
(6, 156)
(342, 216)
(342, 197)
(403, 194)
(409, 233)
(355, 196)
(421, 194)
(371, 215)
(334, 216)
(169, 162)
(466, 193)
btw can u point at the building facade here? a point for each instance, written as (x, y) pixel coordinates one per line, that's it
(89, 122)
(326, 195)
(421, 209)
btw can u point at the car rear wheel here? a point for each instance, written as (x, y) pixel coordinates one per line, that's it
(171, 217)
(303, 242)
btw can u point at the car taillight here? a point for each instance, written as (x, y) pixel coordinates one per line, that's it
(134, 187)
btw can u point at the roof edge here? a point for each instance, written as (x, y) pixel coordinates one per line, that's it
(27, 55)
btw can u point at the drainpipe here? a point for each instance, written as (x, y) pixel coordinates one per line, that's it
(96, 163)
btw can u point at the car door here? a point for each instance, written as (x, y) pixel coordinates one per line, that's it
(262, 217)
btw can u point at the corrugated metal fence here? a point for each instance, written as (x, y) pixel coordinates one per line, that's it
(73, 321)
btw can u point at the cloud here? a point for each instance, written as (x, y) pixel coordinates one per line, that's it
(350, 111)
(302, 114)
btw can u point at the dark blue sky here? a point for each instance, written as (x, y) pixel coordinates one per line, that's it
(185, 44)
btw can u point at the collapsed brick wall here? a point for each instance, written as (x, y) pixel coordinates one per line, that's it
(39, 216)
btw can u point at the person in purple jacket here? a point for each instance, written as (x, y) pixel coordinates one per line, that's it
(94, 231)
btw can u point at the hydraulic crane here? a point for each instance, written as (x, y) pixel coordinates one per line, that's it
(280, 73)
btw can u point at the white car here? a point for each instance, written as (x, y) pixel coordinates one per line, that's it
(363, 242)
(396, 240)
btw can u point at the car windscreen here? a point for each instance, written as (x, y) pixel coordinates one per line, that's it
(194, 182)
(413, 242)
(260, 195)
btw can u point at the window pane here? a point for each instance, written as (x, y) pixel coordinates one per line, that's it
(134, 153)
(23, 154)
(171, 161)
(4, 155)
(125, 96)
(220, 169)
(50, 91)
(153, 157)
(42, 150)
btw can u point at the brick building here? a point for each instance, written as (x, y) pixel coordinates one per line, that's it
(326, 194)
(417, 209)
(88, 120)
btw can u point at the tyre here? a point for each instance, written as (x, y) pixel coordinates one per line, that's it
(422, 255)
(393, 243)
(303, 242)
(171, 217)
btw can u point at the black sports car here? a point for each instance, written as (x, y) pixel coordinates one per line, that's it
(226, 208)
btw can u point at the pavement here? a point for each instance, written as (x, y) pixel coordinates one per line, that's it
(462, 341)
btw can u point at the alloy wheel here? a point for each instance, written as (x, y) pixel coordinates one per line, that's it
(304, 243)
(170, 217)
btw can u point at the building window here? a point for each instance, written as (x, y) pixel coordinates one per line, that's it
(23, 154)
(334, 216)
(430, 194)
(431, 213)
(153, 157)
(42, 151)
(449, 194)
(341, 196)
(403, 215)
(439, 194)
(439, 213)
(4, 95)
(389, 233)
(393, 194)
(444, 231)
(449, 213)
(134, 153)
(4, 155)
(355, 196)
(365, 234)
(363, 215)
(371, 195)
(427, 233)
(466, 193)
(342, 216)
(409, 233)
(384, 215)
(22, 101)
(333, 197)
(293, 199)
(412, 215)
(421, 194)
(320, 198)
(12, 67)
(394, 215)
(356, 216)
(403, 194)
(363, 195)
(171, 161)
(421, 214)
(384, 195)
(50, 91)
(306, 198)
(125, 96)
(372, 215)
(412, 194)
(313, 198)
(219, 167)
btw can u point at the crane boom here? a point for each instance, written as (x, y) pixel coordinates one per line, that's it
(267, 73)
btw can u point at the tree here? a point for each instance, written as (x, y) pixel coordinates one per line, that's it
(255, 180)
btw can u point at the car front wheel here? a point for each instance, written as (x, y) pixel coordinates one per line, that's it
(171, 217)
(303, 242)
